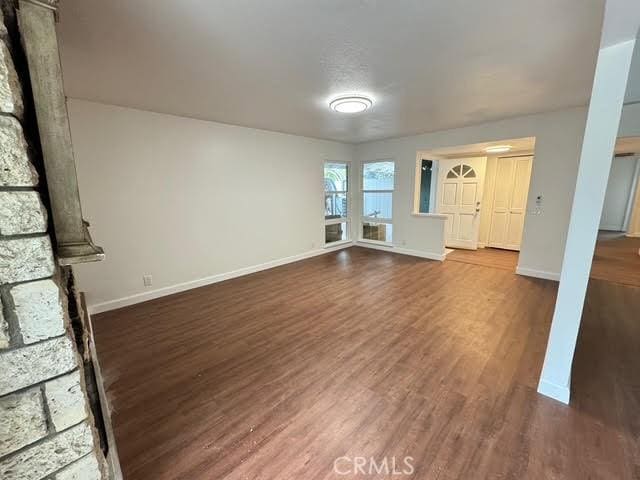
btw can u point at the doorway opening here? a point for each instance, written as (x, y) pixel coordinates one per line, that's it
(617, 254)
(483, 191)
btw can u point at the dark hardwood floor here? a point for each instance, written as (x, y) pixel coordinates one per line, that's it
(487, 257)
(367, 353)
(616, 259)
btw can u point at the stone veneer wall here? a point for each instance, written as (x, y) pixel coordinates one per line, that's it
(46, 428)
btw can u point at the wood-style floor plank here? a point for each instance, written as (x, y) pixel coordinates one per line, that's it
(366, 353)
(488, 257)
(617, 260)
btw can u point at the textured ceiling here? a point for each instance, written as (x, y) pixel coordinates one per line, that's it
(274, 64)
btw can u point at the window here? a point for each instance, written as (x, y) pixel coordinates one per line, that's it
(426, 179)
(462, 170)
(378, 179)
(336, 202)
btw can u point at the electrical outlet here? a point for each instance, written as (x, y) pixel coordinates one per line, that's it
(147, 280)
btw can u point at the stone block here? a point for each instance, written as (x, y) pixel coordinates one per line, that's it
(36, 363)
(87, 468)
(10, 88)
(4, 330)
(22, 420)
(38, 310)
(49, 456)
(22, 213)
(24, 259)
(15, 168)
(66, 402)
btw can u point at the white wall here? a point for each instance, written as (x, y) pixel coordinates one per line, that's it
(185, 199)
(619, 193)
(630, 127)
(630, 121)
(558, 141)
(633, 230)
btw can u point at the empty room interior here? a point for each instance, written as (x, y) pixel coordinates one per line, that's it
(319, 240)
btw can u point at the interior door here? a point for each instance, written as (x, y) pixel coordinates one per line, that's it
(460, 183)
(509, 202)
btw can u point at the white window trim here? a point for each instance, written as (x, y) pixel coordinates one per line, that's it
(364, 219)
(334, 221)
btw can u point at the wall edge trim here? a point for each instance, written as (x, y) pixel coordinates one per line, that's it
(532, 272)
(403, 251)
(561, 393)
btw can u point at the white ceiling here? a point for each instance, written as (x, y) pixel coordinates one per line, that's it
(429, 64)
(519, 146)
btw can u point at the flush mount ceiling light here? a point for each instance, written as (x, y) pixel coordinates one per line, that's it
(350, 104)
(498, 149)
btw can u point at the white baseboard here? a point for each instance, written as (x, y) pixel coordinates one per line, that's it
(201, 282)
(403, 251)
(530, 272)
(562, 393)
(633, 235)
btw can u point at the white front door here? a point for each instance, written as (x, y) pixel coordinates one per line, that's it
(509, 202)
(460, 183)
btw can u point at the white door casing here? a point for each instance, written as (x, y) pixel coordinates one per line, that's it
(509, 204)
(460, 184)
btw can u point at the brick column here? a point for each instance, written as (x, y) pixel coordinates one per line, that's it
(46, 428)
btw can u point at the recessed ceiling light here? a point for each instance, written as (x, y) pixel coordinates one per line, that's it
(351, 104)
(498, 149)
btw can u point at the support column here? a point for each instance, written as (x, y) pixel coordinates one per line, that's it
(603, 120)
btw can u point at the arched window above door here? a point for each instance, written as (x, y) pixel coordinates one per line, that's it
(463, 170)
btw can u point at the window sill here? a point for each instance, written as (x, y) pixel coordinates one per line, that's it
(438, 216)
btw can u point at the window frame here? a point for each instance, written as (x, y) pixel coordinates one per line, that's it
(365, 219)
(335, 221)
(433, 196)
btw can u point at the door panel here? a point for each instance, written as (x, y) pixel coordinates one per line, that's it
(521, 187)
(514, 234)
(469, 194)
(460, 182)
(504, 172)
(449, 225)
(498, 228)
(466, 227)
(509, 202)
(449, 195)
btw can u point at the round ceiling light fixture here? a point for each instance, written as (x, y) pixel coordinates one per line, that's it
(351, 104)
(498, 149)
